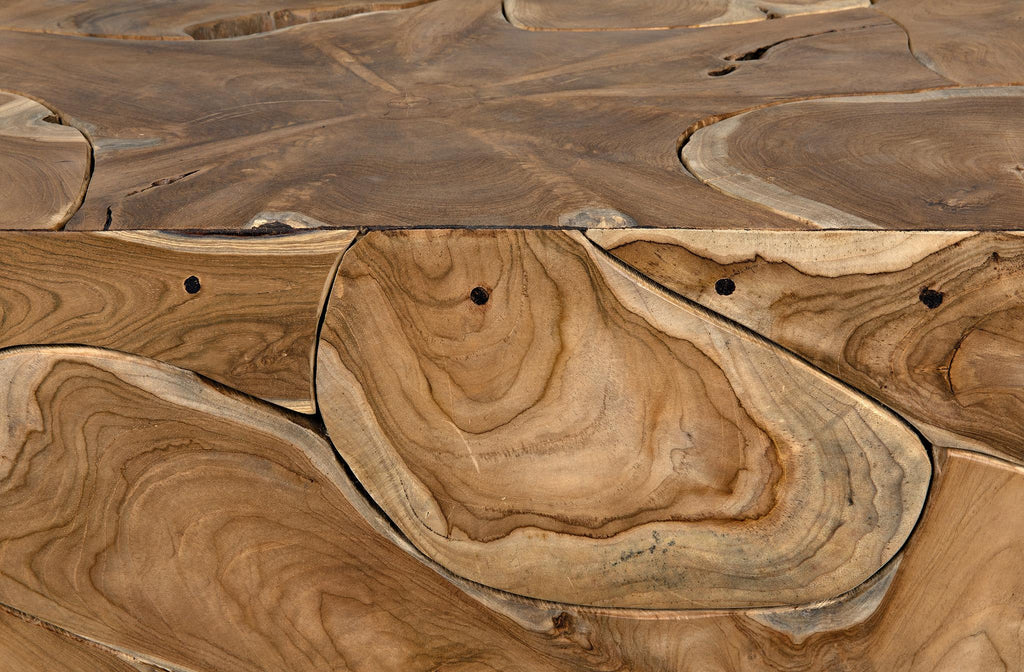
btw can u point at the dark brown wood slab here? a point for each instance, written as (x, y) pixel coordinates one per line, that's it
(439, 115)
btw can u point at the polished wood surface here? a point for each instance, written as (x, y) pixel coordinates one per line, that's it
(440, 115)
(511, 335)
(537, 420)
(926, 322)
(863, 162)
(243, 311)
(659, 14)
(44, 166)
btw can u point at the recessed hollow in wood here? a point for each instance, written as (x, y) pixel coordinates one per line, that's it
(584, 438)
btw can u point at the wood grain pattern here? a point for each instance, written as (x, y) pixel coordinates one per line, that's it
(443, 115)
(179, 20)
(44, 166)
(955, 603)
(536, 420)
(251, 322)
(971, 43)
(926, 322)
(195, 529)
(143, 513)
(659, 14)
(33, 647)
(875, 161)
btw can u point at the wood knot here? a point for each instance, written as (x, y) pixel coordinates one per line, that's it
(479, 296)
(725, 286)
(192, 284)
(931, 298)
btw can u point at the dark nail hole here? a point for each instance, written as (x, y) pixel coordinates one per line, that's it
(725, 286)
(191, 284)
(931, 298)
(479, 296)
(723, 71)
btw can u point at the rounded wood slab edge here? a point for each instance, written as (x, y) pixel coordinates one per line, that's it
(538, 420)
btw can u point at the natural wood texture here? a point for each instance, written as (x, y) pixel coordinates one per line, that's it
(181, 19)
(977, 42)
(439, 115)
(241, 310)
(44, 166)
(875, 161)
(32, 647)
(206, 543)
(927, 322)
(655, 14)
(954, 605)
(144, 509)
(537, 420)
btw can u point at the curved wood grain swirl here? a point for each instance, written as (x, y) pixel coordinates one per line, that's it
(354, 123)
(251, 322)
(942, 159)
(536, 420)
(44, 166)
(145, 509)
(854, 303)
(970, 43)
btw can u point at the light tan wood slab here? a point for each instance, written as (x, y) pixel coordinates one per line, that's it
(927, 322)
(954, 605)
(44, 165)
(977, 42)
(439, 115)
(536, 419)
(195, 529)
(209, 544)
(242, 310)
(33, 647)
(887, 161)
(659, 14)
(179, 20)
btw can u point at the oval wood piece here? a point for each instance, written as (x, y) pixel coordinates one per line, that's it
(928, 322)
(655, 14)
(537, 419)
(44, 166)
(874, 161)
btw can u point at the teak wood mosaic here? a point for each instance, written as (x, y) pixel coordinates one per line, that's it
(512, 336)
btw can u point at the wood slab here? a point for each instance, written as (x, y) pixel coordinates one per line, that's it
(659, 14)
(179, 20)
(44, 165)
(242, 310)
(887, 161)
(954, 604)
(196, 529)
(926, 322)
(977, 42)
(27, 646)
(537, 419)
(442, 115)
